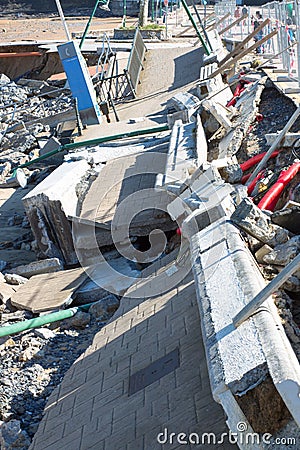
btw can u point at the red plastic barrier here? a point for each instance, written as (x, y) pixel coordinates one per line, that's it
(270, 199)
(256, 159)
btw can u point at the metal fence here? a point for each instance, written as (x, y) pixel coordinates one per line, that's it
(284, 17)
(136, 59)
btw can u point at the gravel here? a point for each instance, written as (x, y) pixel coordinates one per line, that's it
(32, 364)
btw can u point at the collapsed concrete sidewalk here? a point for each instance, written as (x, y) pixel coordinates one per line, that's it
(146, 369)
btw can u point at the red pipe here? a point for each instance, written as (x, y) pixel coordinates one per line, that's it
(270, 199)
(245, 178)
(256, 159)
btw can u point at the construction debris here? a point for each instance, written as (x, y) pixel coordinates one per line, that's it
(48, 291)
(227, 210)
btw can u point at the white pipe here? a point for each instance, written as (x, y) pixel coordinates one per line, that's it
(61, 13)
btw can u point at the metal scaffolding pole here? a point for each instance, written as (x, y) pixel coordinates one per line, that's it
(61, 13)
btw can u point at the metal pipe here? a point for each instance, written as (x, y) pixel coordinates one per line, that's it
(265, 293)
(42, 320)
(97, 141)
(61, 13)
(275, 144)
(195, 26)
(201, 24)
(89, 23)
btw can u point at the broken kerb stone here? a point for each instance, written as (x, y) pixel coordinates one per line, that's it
(240, 358)
(206, 194)
(181, 156)
(220, 112)
(253, 221)
(235, 356)
(50, 205)
(38, 267)
(184, 101)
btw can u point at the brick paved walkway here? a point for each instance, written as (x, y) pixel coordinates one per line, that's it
(92, 408)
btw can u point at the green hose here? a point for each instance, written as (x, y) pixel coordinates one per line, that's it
(97, 141)
(42, 320)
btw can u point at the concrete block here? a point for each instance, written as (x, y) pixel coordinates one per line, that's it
(253, 221)
(184, 101)
(49, 206)
(38, 267)
(219, 112)
(261, 253)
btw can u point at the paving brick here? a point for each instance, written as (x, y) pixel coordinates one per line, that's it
(97, 394)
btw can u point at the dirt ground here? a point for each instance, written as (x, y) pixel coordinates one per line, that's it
(51, 28)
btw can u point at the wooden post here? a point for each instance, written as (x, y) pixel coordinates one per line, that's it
(242, 44)
(262, 296)
(215, 25)
(184, 31)
(243, 53)
(233, 24)
(275, 144)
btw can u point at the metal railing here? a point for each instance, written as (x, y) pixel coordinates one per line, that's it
(284, 17)
(136, 59)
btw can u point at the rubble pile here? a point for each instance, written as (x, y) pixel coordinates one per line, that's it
(216, 141)
(26, 107)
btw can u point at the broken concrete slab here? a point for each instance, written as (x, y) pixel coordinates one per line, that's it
(46, 292)
(253, 221)
(105, 307)
(38, 267)
(288, 218)
(113, 276)
(181, 158)
(48, 207)
(247, 106)
(220, 112)
(7, 291)
(282, 254)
